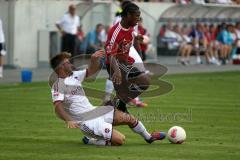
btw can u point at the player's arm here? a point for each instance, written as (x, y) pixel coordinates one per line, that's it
(138, 39)
(94, 65)
(59, 110)
(114, 68)
(112, 52)
(59, 27)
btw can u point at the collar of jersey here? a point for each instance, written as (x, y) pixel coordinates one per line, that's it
(123, 28)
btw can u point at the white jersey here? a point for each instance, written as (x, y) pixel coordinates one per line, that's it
(70, 91)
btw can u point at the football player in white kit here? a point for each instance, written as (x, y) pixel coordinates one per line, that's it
(72, 106)
(132, 53)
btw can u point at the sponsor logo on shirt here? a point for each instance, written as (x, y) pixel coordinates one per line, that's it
(76, 91)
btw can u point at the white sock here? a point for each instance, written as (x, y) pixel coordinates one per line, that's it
(198, 59)
(141, 130)
(99, 142)
(108, 89)
(214, 60)
(1, 71)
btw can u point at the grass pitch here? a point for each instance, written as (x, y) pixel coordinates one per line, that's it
(207, 105)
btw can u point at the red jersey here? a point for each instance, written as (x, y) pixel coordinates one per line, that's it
(142, 31)
(119, 42)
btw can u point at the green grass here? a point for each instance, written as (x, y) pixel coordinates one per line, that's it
(29, 128)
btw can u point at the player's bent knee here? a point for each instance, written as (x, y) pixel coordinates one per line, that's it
(118, 138)
(118, 141)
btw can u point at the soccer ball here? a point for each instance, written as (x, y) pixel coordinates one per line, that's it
(176, 135)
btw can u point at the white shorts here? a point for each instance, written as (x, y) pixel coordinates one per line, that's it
(99, 128)
(138, 63)
(134, 54)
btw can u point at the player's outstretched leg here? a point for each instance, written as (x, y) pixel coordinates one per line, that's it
(121, 118)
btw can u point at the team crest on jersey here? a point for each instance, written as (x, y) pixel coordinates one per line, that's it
(107, 130)
(125, 45)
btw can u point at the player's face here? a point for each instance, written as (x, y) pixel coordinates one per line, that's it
(134, 18)
(67, 66)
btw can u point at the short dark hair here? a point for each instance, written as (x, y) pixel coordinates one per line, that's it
(129, 8)
(125, 3)
(58, 59)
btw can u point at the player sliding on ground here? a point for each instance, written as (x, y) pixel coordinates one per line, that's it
(72, 106)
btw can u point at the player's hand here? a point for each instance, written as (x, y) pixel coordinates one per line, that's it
(117, 77)
(62, 32)
(72, 124)
(98, 54)
(139, 37)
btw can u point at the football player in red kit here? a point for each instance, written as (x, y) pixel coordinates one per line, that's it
(129, 81)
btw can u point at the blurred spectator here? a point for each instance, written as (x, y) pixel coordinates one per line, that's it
(93, 41)
(214, 45)
(198, 41)
(207, 41)
(103, 35)
(80, 39)
(238, 39)
(186, 46)
(218, 44)
(233, 34)
(226, 41)
(80, 33)
(2, 49)
(231, 40)
(68, 26)
(143, 46)
(162, 30)
(171, 37)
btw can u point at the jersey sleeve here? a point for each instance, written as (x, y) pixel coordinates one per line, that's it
(112, 43)
(135, 28)
(57, 92)
(112, 47)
